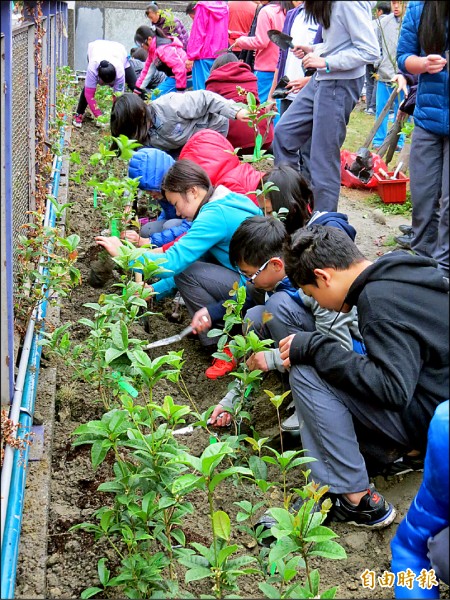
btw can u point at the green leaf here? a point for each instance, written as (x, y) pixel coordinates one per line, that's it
(196, 574)
(282, 548)
(221, 525)
(269, 591)
(328, 549)
(330, 593)
(315, 580)
(225, 553)
(90, 592)
(112, 354)
(98, 451)
(320, 534)
(258, 467)
(283, 517)
(103, 572)
(186, 483)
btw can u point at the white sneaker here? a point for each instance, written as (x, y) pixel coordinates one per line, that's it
(77, 121)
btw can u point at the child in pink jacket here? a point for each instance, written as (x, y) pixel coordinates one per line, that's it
(208, 37)
(167, 54)
(271, 16)
(107, 65)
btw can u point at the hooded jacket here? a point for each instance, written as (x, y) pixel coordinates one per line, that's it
(150, 165)
(223, 81)
(211, 232)
(432, 104)
(176, 117)
(169, 52)
(209, 32)
(428, 515)
(214, 153)
(270, 16)
(406, 369)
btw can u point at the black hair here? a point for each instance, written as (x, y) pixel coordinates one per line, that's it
(285, 4)
(433, 27)
(190, 8)
(384, 6)
(106, 71)
(184, 175)
(153, 7)
(294, 194)
(318, 247)
(139, 53)
(256, 240)
(224, 59)
(144, 32)
(130, 116)
(319, 10)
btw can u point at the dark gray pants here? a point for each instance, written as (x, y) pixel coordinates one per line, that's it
(205, 283)
(287, 317)
(429, 182)
(328, 434)
(319, 114)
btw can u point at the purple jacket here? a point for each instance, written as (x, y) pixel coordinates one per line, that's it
(290, 18)
(178, 31)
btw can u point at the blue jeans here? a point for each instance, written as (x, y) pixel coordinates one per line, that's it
(383, 91)
(167, 86)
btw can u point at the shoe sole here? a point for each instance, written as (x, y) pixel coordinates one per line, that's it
(376, 525)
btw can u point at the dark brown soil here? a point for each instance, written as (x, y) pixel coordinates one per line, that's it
(72, 562)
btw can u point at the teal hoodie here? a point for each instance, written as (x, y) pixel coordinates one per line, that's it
(211, 232)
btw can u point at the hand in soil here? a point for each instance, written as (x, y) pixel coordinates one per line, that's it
(110, 244)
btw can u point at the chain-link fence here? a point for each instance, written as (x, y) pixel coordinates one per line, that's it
(21, 51)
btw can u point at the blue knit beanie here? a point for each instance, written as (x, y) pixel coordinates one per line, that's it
(150, 164)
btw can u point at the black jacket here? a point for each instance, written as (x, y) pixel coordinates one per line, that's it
(403, 314)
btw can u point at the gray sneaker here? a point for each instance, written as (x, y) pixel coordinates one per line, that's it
(291, 423)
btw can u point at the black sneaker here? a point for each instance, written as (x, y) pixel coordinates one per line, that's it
(372, 511)
(406, 229)
(404, 464)
(404, 241)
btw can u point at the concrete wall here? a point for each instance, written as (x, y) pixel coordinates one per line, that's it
(115, 21)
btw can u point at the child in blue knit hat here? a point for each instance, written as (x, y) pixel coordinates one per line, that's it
(151, 164)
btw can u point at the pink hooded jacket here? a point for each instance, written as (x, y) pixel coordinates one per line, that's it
(209, 32)
(270, 16)
(172, 55)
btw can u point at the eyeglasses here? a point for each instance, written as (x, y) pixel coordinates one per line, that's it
(251, 278)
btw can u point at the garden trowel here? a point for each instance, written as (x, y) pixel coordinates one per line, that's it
(284, 41)
(170, 340)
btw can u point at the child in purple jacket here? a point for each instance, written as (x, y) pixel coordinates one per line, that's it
(107, 65)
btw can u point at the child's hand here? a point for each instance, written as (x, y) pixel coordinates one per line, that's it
(110, 244)
(300, 51)
(257, 361)
(242, 115)
(285, 347)
(135, 238)
(201, 321)
(219, 418)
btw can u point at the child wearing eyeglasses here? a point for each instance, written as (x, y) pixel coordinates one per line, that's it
(262, 265)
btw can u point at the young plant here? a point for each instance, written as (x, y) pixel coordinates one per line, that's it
(299, 537)
(256, 114)
(214, 562)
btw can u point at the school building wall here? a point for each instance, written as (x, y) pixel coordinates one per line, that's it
(115, 21)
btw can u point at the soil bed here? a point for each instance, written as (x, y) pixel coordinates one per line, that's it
(72, 557)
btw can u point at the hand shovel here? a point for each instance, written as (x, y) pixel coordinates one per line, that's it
(284, 41)
(170, 340)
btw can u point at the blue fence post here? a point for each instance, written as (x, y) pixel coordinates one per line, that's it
(7, 304)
